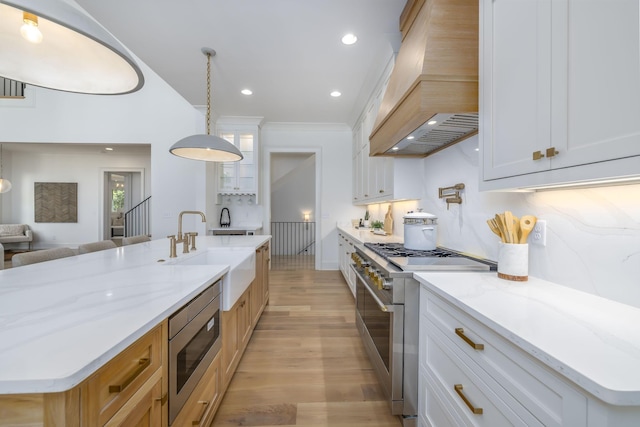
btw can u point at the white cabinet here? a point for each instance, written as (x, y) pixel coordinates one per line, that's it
(469, 375)
(346, 247)
(560, 91)
(381, 179)
(240, 177)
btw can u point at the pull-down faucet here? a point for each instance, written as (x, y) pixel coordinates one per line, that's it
(188, 237)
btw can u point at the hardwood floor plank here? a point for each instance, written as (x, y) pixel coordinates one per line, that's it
(305, 364)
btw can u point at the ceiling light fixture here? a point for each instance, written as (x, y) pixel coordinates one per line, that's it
(5, 184)
(207, 147)
(60, 47)
(246, 92)
(335, 94)
(349, 39)
(410, 137)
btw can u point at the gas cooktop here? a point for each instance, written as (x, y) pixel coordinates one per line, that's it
(387, 250)
(425, 260)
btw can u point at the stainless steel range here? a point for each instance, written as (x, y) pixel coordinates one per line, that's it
(387, 313)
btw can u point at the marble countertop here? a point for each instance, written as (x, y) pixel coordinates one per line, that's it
(365, 235)
(62, 320)
(592, 341)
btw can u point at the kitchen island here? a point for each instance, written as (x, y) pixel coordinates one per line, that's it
(62, 320)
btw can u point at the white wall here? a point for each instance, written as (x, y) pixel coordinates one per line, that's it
(155, 115)
(332, 144)
(593, 235)
(85, 169)
(293, 194)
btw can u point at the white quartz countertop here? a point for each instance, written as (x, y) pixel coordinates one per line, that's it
(592, 341)
(365, 235)
(61, 320)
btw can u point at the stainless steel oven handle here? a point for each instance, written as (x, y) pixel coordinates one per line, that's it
(381, 305)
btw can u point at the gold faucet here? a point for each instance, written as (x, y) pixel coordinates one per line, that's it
(186, 238)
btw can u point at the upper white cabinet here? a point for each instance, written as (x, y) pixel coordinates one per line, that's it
(560, 91)
(381, 179)
(239, 177)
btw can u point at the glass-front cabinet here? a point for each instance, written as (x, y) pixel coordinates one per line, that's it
(240, 178)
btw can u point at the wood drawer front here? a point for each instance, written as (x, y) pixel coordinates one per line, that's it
(127, 372)
(447, 370)
(200, 408)
(144, 409)
(549, 398)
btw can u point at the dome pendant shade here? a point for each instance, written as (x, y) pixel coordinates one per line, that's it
(74, 54)
(209, 148)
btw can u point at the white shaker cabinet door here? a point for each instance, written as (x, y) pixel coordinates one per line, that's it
(515, 89)
(596, 58)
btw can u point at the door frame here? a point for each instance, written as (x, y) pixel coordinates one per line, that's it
(103, 229)
(266, 190)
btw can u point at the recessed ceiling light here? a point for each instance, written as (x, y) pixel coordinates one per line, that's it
(410, 137)
(246, 92)
(432, 122)
(108, 148)
(349, 39)
(395, 148)
(335, 94)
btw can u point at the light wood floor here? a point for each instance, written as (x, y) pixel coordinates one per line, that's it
(305, 364)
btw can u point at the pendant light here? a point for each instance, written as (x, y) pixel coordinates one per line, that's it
(53, 44)
(5, 184)
(207, 147)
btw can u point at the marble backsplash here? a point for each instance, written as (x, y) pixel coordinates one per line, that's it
(593, 235)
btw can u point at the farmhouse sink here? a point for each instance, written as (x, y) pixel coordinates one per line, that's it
(242, 269)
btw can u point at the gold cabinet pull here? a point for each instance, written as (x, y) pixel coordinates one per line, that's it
(162, 399)
(458, 389)
(204, 404)
(537, 155)
(143, 364)
(551, 151)
(460, 333)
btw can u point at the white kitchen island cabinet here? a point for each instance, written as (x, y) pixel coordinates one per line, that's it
(560, 91)
(498, 353)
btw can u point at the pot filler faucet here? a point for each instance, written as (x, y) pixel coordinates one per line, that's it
(186, 239)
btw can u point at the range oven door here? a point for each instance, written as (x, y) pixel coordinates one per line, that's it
(381, 327)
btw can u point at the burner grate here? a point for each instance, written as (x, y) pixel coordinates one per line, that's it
(387, 250)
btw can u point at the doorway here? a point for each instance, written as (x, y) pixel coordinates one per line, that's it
(122, 191)
(293, 210)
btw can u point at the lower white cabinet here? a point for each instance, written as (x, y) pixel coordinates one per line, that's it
(346, 247)
(470, 376)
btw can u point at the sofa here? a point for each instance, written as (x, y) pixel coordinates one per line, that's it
(16, 233)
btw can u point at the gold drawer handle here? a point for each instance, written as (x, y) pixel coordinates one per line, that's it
(204, 404)
(458, 389)
(460, 333)
(143, 364)
(162, 399)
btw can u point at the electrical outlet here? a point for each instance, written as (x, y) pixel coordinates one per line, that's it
(539, 233)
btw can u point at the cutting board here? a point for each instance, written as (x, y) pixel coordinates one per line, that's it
(388, 222)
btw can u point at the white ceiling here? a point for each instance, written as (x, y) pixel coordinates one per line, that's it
(288, 52)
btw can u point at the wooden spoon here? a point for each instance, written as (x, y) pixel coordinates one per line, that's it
(494, 227)
(527, 222)
(499, 218)
(508, 222)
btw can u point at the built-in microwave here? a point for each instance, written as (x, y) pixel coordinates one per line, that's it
(194, 341)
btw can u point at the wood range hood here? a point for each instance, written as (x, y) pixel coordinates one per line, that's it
(435, 77)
